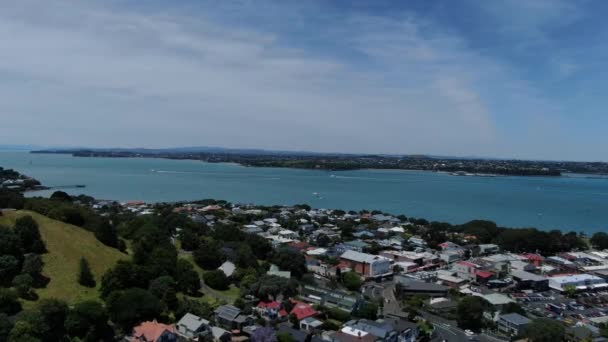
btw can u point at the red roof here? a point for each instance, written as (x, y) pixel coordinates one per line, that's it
(299, 245)
(303, 310)
(484, 274)
(151, 331)
(269, 305)
(466, 263)
(533, 257)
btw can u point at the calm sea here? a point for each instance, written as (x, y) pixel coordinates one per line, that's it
(574, 202)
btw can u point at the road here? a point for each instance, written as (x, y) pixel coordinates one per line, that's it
(445, 329)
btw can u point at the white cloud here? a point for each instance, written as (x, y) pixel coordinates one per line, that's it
(83, 73)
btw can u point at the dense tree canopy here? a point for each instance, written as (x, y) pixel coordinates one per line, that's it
(545, 330)
(29, 234)
(470, 313)
(129, 307)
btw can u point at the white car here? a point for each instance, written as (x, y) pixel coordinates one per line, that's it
(469, 332)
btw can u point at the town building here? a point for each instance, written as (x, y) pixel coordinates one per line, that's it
(367, 265)
(579, 282)
(512, 324)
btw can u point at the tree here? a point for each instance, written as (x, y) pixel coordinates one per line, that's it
(129, 307)
(195, 307)
(470, 313)
(85, 276)
(352, 281)
(5, 327)
(106, 233)
(367, 310)
(9, 302)
(23, 285)
(61, 196)
(290, 260)
(268, 286)
(186, 277)
(285, 337)
(32, 265)
(29, 234)
(53, 313)
(545, 330)
(125, 274)
(89, 320)
(600, 240)
(164, 288)
(9, 268)
(10, 243)
(23, 332)
(216, 280)
(208, 256)
(293, 319)
(513, 308)
(570, 290)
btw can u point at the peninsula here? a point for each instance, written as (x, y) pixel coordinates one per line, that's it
(341, 162)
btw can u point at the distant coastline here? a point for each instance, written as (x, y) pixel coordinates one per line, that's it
(348, 162)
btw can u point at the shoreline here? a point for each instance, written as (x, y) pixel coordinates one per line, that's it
(306, 163)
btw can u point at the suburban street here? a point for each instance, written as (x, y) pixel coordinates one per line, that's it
(445, 329)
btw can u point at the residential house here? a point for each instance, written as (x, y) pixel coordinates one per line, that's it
(298, 335)
(450, 256)
(275, 271)
(512, 324)
(230, 317)
(485, 249)
(228, 268)
(530, 281)
(302, 310)
(450, 279)
(271, 310)
(466, 270)
(355, 245)
(417, 241)
(310, 324)
(153, 332)
(330, 298)
(367, 265)
(386, 330)
(220, 335)
(192, 327)
(411, 287)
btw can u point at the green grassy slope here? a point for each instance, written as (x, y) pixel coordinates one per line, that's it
(66, 244)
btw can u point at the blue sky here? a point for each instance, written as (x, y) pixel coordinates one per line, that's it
(521, 79)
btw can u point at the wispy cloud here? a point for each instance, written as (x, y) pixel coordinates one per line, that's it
(93, 73)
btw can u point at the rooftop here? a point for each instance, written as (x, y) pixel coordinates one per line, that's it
(361, 257)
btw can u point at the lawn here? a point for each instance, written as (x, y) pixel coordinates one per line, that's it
(66, 244)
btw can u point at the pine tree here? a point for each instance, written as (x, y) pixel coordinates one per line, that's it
(85, 276)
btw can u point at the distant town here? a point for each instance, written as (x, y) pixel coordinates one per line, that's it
(341, 162)
(211, 270)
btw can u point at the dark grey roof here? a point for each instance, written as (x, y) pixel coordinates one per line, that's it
(298, 335)
(417, 285)
(228, 312)
(378, 329)
(515, 318)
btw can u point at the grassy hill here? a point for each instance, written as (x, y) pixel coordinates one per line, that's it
(66, 244)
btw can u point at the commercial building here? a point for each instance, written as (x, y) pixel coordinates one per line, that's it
(367, 265)
(579, 281)
(512, 324)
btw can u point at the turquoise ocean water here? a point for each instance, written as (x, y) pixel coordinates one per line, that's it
(573, 202)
